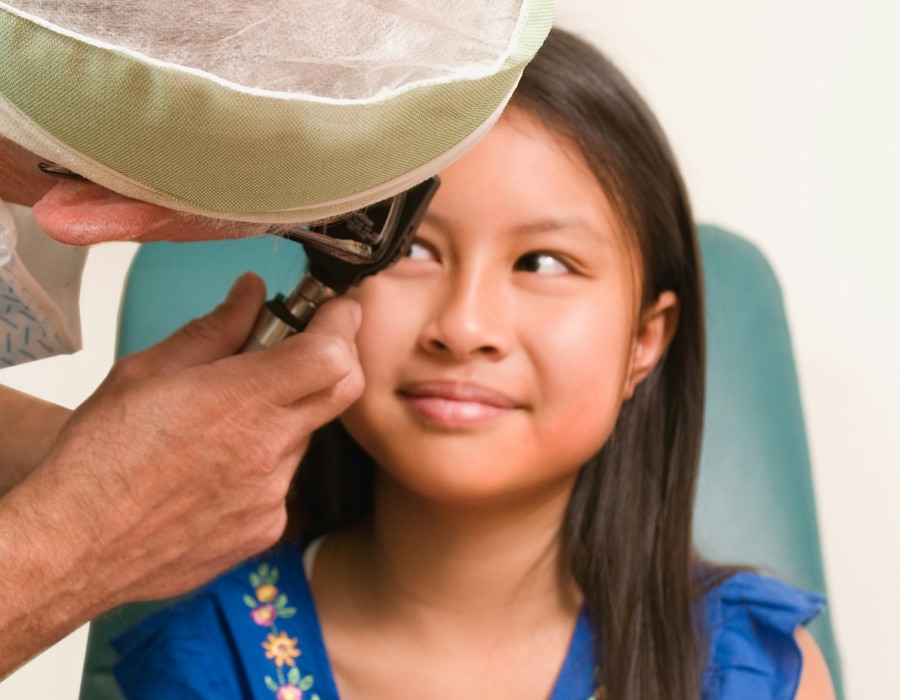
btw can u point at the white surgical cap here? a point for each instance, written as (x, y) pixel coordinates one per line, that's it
(271, 111)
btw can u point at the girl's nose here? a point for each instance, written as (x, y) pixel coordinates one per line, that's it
(469, 318)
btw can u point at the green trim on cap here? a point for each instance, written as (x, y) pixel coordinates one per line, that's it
(184, 139)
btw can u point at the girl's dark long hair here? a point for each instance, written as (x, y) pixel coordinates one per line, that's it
(628, 528)
(627, 531)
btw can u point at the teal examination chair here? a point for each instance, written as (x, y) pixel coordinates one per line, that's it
(755, 502)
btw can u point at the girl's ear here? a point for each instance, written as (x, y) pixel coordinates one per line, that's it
(655, 331)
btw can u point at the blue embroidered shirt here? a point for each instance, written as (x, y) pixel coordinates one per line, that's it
(253, 634)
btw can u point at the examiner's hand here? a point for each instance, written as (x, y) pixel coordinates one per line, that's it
(177, 467)
(193, 448)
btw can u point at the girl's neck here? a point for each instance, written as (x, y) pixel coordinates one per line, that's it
(479, 561)
(460, 600)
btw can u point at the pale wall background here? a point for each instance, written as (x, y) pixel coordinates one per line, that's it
(785, 115)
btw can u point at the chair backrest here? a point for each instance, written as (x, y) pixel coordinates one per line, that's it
(755, 502)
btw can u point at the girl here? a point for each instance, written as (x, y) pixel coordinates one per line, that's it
(506, 511)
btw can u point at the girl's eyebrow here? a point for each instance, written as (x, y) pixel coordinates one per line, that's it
(550, 224)
(569, 225)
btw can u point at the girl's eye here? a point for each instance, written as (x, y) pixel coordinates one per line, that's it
(542, 264)
(419, 251)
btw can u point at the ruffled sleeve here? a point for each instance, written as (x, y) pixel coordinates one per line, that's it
(180, 653)
(753, 653)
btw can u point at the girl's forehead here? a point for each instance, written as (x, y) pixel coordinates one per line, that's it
(527, 176)
(620, 222)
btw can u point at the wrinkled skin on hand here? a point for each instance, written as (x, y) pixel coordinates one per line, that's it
(173, 471)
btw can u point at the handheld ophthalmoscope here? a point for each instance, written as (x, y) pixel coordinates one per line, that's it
(341, 253)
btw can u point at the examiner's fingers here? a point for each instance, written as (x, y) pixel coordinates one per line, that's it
(340, 317)
(320, 359)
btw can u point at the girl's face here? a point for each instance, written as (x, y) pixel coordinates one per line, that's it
(497, 354)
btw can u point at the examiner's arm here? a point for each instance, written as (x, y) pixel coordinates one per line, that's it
(173, 471)
(28, 428)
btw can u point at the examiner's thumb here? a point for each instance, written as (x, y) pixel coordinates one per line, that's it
(219, 333)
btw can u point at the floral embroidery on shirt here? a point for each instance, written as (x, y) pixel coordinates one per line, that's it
(282, 649)
(268, 605)
(293, 687)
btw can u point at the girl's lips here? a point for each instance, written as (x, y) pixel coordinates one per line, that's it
(456, 405)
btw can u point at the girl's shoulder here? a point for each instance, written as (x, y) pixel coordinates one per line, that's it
(751, 621)
(240, 636)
